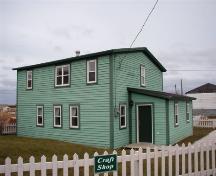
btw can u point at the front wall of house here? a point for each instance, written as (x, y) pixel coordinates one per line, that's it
(93, 100)
(126, 73)
(159, 117)
(184, 128)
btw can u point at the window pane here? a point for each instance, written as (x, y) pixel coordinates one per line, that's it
(59, 71)
(40, 120)
(66, 80)
(142, 80)
(29, 75)
(57, 112)
(74, 121)
(92, 66)
(123, 121)
(66, 70)
(92, 76)
(142, 71)
(74, 111)
(122, 110)
(29, 83)
(57, 121)
(39, 111)
(59, 80)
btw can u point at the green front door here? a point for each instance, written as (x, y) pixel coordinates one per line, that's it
(144, 123)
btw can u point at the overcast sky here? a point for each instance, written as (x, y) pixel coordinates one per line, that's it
(180, 33)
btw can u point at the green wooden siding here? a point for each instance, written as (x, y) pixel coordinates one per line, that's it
(126, 73)
(184, 128)
(159, 117)
(93, 99)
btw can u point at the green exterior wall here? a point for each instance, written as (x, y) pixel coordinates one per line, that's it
(93, 100)
(184, 128)
(126, 73)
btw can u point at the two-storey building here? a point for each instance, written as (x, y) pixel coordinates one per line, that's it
(104, 99)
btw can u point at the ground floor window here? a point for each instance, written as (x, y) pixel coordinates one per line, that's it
(74, 116)
(57, 116)
(122, 114)
(40, 118)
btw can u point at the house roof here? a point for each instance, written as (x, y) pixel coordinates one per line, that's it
(158, 94)
(206, 88)
(97, 54)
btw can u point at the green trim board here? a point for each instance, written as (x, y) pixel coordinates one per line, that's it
(167, 123)
(102, 53)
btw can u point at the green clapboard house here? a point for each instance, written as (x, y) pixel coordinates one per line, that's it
(106, 99)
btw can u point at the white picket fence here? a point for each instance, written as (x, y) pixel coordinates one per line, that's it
(205, 123)
(8, 129)
(189, 160)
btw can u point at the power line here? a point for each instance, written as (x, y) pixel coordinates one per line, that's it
(144, 24)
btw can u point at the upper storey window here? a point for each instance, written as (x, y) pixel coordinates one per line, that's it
(62, 75)
(91, 71)
(142, 75)
(29, 79)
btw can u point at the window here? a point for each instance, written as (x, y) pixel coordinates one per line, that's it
(29, 79)
(62, 75)
(142, 75)
(92, 71)
(74, 116)
(176, 113)
(40, 118)
(57, 116)
(123, 116)
(187, 112)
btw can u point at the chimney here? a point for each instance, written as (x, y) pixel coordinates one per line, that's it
(77, 52)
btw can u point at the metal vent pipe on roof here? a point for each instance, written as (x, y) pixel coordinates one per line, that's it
(77, 53)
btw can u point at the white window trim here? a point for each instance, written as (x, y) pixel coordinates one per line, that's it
(188, 112)
(38, 124)
(54, 116)
(142, 75)
(62, 84)
(95, 62)
(71, 116)
(27, 79)
(120, 115)
(176, 113)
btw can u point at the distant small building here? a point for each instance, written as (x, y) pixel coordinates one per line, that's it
(205, 103)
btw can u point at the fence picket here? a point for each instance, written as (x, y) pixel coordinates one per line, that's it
(76, 164)
(189, 158)
(43, 166)
(65, 165)
(201, 159)
(132, 162)
(86, 164)
(7, 166)
(213, 149)
(32, 166)
(155, 161)
(177, 159)
(207, 158)
(148, 160)
(140, 161)
(115, 173)
(163, 161)
(54, 166)
(196, 159)
(20, 166)
(183, 159)
(123, 163)
(96, 154)
(170, 160)
(105, 153)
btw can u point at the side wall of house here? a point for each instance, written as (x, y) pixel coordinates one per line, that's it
(159, 117)
(184, 128)
(126, 73)
(93, 100)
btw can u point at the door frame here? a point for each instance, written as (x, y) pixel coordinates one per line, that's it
(137, 119)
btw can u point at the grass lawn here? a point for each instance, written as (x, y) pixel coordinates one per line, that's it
(198, 133)
(13, 147)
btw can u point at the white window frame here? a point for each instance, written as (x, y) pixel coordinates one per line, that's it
(95, 71)
(62, 75)
(71, 116)
(142, 75)
(176, 114)
(42, 115)
(123, 115)
(187, 112)
(27, 79)
(54, 116)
